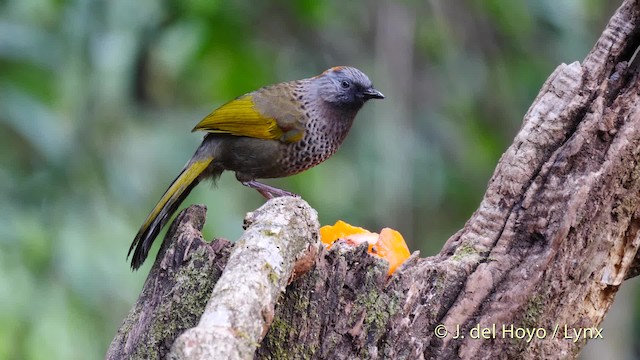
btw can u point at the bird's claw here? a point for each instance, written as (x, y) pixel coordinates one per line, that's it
(268, 191)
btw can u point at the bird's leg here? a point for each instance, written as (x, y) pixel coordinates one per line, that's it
(267, 191)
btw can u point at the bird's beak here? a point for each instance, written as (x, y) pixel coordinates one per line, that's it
(372, 93)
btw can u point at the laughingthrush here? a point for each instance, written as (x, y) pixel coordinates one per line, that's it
(273, 132)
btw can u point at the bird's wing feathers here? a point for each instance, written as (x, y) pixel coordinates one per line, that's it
(239, 117)
(254, 115)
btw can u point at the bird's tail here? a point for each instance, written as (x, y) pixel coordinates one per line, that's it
(175, 194)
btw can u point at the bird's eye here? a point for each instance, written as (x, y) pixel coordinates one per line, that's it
(345, 84)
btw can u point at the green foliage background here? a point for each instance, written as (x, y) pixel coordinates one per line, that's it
(97, 99)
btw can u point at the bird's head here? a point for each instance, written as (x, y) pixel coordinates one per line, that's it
(346, 87)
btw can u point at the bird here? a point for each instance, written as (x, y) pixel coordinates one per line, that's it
(276, 131)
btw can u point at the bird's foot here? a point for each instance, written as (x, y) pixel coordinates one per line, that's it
(268, 191)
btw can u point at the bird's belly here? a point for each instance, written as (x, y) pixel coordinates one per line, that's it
(252, 158)
(300, 156)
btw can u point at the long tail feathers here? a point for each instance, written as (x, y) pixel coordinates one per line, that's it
(172, 198)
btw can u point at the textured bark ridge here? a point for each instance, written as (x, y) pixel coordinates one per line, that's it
(232, 309)
(540, 260)
(176, 290)
(279, 236)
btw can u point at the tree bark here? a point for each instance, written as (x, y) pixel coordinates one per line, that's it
(541, 259)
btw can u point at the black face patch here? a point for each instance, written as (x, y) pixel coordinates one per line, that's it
(349, 94)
